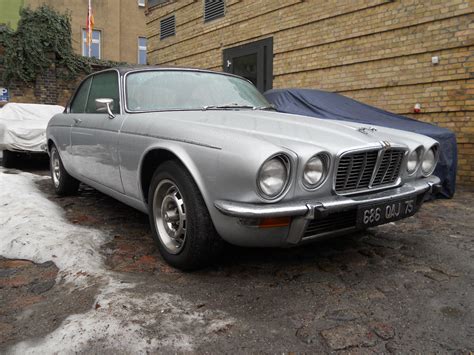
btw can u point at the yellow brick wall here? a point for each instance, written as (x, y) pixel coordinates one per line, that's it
(376, 51)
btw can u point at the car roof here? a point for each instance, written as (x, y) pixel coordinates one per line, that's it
(127, 69)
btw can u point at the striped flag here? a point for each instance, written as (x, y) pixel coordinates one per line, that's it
(89, 26)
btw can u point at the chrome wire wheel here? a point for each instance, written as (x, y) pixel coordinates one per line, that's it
(55, 167)
(169, 215)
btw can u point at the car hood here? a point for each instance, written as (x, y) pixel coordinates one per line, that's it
(285, 130)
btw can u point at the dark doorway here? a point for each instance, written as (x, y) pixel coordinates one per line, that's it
(253, 61)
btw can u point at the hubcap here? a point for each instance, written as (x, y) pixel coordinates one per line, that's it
(169, 212)
(55, 167)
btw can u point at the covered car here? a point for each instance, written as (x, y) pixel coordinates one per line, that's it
(329, 105)
(23, 128)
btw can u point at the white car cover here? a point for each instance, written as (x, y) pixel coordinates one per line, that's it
(23, 126)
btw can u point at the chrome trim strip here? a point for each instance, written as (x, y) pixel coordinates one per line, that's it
(307, 208)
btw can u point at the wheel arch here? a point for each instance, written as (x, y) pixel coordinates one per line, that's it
(156, 156)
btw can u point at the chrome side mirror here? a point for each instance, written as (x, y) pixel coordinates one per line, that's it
(105, 105)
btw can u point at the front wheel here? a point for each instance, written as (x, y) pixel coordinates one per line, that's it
(179, 219)
(64, 184)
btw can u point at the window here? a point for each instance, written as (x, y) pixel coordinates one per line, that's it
(213, 9)
(78, 104)
(161, 90)
(142, 42)
(104, 85)
(141, 3)
(168, 27)
(95, 45)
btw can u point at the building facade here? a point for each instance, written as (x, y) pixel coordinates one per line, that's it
(119, 29)
(393, 54)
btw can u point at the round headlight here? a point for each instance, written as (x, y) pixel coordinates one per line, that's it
(315, 171)
(429, 162)
(273, 176)
(413, 160)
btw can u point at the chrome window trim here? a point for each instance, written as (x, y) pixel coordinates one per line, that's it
(381, 147)
(134, 71)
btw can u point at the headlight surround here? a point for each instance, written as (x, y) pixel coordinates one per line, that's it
(273, 177)
(430, 159)
(414, 160)
(315, 171)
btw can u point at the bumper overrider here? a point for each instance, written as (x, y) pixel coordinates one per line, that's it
(331, 215)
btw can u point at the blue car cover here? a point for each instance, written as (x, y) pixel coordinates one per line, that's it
(328, 105)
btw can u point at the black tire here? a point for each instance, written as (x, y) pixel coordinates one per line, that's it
(8, 159)
(202, 245)
(64, 184)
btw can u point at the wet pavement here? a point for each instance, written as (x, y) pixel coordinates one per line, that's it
(403, 287)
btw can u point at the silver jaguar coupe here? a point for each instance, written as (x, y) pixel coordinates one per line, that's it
(209, 160)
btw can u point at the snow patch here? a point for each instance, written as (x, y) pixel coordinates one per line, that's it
(34, 228)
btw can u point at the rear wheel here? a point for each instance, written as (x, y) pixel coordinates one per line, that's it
(179, 219)
(64, 184)
(8, 159)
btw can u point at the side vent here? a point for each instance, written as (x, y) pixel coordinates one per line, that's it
(168, 27)
(213, 9)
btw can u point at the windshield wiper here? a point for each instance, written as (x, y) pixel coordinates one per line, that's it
(271, 107)
(237, 106)
(227, 107)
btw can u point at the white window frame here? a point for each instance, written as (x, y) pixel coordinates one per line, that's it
(141, 48)
(94, 41)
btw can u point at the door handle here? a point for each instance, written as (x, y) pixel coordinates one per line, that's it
(77, 121)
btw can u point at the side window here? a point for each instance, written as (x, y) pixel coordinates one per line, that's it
(78, 104)
(104, 85)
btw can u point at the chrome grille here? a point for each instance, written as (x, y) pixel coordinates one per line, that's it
(364, 170)
(389, 169)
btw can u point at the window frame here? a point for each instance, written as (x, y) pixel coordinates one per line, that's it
(74, 97)
(124, 89)
(141, 48)
(94, 41)
(91, 76)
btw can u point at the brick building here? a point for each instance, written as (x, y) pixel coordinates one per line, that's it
(391, 54)
(119, 31)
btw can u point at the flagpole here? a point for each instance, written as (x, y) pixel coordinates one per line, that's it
(89, 29)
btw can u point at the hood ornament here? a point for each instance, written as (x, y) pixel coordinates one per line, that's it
(367, 130)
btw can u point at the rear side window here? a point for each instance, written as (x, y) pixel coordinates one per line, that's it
(78, 104)
(104, 86)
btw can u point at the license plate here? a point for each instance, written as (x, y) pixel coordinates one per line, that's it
(373, 215)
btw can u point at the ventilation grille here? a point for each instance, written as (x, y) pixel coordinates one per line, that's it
(213, 9)
(355, 171)
(360, 171)
(168, 27)
(331, 223)
(389, 167)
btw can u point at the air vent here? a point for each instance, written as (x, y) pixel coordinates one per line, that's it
(213, 9)
(168, 27)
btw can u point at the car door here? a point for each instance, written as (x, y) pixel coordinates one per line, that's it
(94, 135)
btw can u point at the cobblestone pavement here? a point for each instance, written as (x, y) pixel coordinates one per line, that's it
(403, 287)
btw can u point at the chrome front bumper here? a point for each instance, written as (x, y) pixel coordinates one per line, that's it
(304, 211)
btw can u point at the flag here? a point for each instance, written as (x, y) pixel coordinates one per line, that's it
(89, 27)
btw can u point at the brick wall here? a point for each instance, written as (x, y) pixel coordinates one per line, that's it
(376, 51)
(51, 87)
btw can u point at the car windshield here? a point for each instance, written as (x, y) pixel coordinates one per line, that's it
(190, 90)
